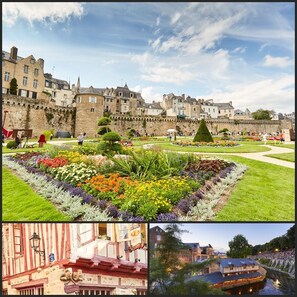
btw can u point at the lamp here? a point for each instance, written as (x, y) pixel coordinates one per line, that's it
(35, 243)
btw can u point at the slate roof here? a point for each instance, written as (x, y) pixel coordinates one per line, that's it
(224, 105)
(91, 90)
(217, 277)
(153, 105)
(237, 262)
(192, 245)
(6, 56)
(156, 227)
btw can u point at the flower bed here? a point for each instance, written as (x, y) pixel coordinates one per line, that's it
(146, 186)
(217, 143)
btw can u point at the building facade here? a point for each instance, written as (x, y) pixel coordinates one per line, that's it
(64, 258)
(28, 73)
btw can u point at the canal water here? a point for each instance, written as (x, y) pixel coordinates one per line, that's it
(276, 283)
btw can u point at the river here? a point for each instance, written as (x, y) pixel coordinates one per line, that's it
(276, 283)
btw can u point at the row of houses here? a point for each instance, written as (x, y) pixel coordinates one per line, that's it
(34, 83)
(64, 258)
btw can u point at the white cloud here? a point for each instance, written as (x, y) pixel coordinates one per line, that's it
(281, 62)
(175, 18)
(149, 94)
(239, 50)
(158, 21)
(277, 94)
(51, 12)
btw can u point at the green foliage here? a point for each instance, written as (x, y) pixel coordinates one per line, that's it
(239, 247)
(11, 144)
(49, 116)
(130, 133)
(47, 134)
(104, 121)
(144, 124)
(13, 88)
(223, 130)
(103, 130)
(261, 114)
(203, 133)
(87, 149)
(106, 148)
(111, 137)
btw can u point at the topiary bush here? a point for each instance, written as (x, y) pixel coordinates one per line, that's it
(103, 130)
(203, 133)
(11, 144)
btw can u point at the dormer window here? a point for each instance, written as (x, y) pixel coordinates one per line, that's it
(120, 94)
(32, 61)
(131, 95)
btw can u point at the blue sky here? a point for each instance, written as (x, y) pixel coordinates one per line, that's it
(219, 234)
(243, 52)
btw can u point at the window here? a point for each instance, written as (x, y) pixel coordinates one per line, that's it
(6, 76)
(95, 291)
(47, 83)
(54, 94)
(17, 237)
(25, 80)
(120, 94)
(35, 83)
(92, 109)
(131, 95)
(36, 70)
(92, 99)
(4, 90)
(32, 291)
(158, 237)
(85, 233)
(26, 68)
(23, 93)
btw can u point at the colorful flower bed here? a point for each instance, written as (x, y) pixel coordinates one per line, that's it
(217, 143)
(148, 185)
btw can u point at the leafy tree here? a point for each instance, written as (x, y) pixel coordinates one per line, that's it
(261, 114)
(103, 125)
(203, 133)
(130, 133)
(291, 237)
(168, 276)
(239, 247)
(13, 87)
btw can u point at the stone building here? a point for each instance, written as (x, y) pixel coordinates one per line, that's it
(242, 115)
(27, 71)
(225, 110)
(59, 90)
(209, 108)
(174, 105)
(64, 258)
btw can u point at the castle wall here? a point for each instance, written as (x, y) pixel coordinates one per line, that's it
(25, 113)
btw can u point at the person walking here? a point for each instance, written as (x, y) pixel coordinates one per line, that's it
(41, 140)
(281, 137)
(264, 138)
(80, 139)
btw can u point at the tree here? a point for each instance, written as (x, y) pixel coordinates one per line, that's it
(291, 237)
(203, 133)
(13, 87)
(261, 114)
(109, 143)
(168, 275)
(239, 247)
(103, 125)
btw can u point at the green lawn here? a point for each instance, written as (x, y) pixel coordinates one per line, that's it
(266, 193)
(288, 145)
(242, 148)
(6, 150)
(21, 203)
(286, 157)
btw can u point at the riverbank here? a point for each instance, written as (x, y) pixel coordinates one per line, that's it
(292, 275)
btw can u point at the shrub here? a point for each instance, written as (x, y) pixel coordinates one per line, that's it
(103, 130)
(11, 144)
(104, 121)
(111, 137)
(203, 133)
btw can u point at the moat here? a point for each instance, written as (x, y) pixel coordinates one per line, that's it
(276, 283)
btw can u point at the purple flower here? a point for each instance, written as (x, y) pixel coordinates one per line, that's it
(87, 199)
(199, 194)
(112, 211)
(137, 219)
(102, 204)
(125, 215)
(184, 205)
(170, 216)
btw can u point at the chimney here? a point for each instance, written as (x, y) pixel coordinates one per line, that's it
(13, 53)
(230, 102)
(41, 63)
(183, 96)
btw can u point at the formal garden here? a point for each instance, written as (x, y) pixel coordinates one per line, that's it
(105, 180)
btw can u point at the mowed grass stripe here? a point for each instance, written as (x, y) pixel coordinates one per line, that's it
(21, 203)
(286, 157)
(265, 193)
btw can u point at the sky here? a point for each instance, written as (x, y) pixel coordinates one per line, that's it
(219, 234)
(241, 52)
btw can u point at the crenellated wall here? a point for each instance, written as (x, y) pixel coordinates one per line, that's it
(38, 115)
(25, 113)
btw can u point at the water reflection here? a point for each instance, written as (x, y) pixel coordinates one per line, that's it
(276, 283)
